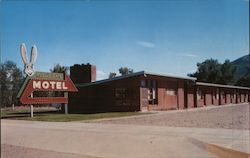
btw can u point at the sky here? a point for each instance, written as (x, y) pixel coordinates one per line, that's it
(162, 36)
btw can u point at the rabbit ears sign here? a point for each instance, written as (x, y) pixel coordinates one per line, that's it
(42, 81)
(28, 65)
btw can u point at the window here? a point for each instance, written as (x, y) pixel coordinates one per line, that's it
(223, 94)
(152, 92)
(199, 94)
(171, 92)
(143, 83)
(121, 97)
(216, 94)
(121, 92)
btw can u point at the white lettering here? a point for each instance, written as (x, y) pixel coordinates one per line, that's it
(64, 86)
(58, 85)
(52, 83)
(36, 84)
(45, 84)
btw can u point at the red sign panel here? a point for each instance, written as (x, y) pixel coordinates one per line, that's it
(37, 84)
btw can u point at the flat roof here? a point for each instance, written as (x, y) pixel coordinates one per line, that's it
(133, 75)
(220, 85)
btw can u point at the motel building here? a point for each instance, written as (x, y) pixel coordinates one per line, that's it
(146, 91)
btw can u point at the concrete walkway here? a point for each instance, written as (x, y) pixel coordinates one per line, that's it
(125, 141)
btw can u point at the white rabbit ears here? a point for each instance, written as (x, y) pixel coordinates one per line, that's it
(33, 54)
(23, 54)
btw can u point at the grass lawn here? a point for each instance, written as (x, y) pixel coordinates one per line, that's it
(43, 114)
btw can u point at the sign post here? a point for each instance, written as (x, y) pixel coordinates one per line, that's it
(66, 105)
(31, 106)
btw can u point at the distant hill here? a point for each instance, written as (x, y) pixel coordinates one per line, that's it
(242, 65)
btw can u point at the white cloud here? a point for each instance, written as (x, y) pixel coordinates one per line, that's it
(146, 44)
(189, 55)
(100, 75)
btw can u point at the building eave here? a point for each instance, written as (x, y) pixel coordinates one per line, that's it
(220, 85)
(171, 76)
(144, 73)
(110, 79)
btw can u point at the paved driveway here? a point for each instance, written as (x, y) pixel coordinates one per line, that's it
(75, 139)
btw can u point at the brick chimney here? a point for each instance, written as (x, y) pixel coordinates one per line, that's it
(83, 73)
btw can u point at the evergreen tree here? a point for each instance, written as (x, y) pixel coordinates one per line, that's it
(212, 71)
(11, 79)
(208, 71)
(59, 69)
(125, 71)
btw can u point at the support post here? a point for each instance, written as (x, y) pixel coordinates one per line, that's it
(66, 105)
(195, 96)
(31, 106)
(31, 110)
(219, 96)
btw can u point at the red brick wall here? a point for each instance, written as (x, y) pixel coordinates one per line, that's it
(237, 97)
(101, 97)
(228, 98)
(168, 101)
(190, 100)
(144, 99)
(83, 73)
(222, 97)
(232, 96)
(180, 94)
(242, 98)
(165, 101)
(200, 96)
(208, 98)
(215, 101)
(189, 92)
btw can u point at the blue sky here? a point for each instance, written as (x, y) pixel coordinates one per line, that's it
(168, 36)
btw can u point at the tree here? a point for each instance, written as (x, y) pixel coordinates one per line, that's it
(227, 73)
(10, 82)
(208, 71)
(213, 72)
(244, 80)
(112, 74)
(59, 69)
(125, 71)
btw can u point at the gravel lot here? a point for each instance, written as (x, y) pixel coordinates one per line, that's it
(227, 116)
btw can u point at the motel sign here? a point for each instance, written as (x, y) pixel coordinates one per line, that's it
(54, 85)
(43, 81)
